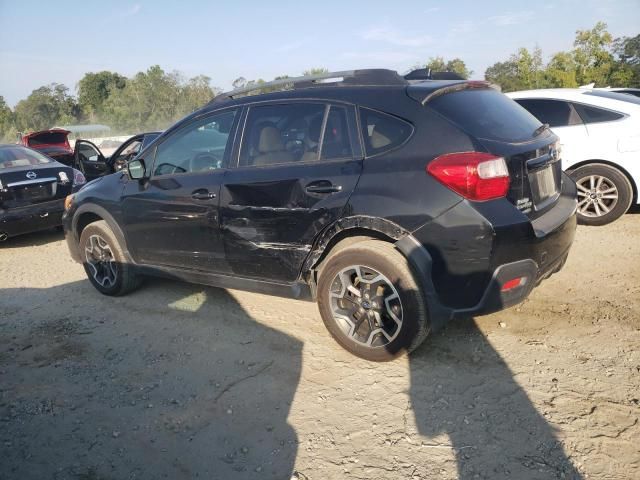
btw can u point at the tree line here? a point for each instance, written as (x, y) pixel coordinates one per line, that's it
(154, 99)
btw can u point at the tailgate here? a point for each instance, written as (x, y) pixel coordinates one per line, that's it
(536, 173)
(506, 129)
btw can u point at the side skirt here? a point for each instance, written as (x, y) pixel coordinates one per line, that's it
(296, 290)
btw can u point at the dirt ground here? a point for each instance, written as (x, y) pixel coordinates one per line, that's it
(182, 381)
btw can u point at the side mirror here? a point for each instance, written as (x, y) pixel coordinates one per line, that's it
(136, 169)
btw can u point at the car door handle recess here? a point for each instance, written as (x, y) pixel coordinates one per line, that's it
(202, 195)
(323, 188)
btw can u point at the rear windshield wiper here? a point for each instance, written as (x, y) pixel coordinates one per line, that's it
(540, 129)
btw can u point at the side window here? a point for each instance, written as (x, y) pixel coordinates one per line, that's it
(382, 132)
(87, 153)
(128, 153)
(336, 142)
(198, 147)
(555, 113)
(283, 133)
(596, 115)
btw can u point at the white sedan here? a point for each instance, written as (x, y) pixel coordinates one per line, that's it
(599, 133)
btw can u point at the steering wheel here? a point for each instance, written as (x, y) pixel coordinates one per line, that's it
(204, 161)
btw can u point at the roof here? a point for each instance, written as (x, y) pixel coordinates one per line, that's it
(426, 81)
(579, 95)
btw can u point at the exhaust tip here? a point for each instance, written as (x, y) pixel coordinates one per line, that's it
(3, 236)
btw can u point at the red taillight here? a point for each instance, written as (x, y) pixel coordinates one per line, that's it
(474, 175)
(513, 283)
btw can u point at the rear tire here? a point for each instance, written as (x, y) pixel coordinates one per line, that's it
(104, 261)
(371, 302)
(604, 193)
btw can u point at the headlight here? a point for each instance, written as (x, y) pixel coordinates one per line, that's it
(78, 177)
(68, 201)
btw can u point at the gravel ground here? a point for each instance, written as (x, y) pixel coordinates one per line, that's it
(183, 381)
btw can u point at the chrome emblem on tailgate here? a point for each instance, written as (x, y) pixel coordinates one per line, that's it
(31, 175)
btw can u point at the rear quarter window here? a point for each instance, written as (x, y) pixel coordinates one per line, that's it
(596, 115)
(487, 114)
(382, 132)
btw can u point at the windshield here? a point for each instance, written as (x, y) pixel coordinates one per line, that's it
(16, 156)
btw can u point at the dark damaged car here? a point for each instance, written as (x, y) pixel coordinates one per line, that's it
(395, 203)
(33, 188)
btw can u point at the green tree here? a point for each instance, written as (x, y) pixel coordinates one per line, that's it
(505, 74)
(196, 93)
(154, 99)
(529, 67)
(561, 71)
(594, 61)
(522, 71)
(315, 71)
(7, 122)
(95, 88)
(438, 64)
(627, 68)
(148, 101)
(45, 107)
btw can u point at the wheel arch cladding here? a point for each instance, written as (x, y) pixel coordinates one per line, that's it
(89, 213)
(360, 225)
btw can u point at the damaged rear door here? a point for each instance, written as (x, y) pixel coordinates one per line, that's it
(297, 166)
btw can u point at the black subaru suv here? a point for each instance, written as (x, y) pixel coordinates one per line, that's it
(395, 203)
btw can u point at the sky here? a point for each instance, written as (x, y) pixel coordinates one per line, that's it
(44, 42)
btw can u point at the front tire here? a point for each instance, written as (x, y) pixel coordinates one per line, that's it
(104, 261)
(371, 302)
(604, 194)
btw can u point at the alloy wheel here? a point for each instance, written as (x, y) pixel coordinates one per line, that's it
(597, 196)
(366, 306)
(101, 261)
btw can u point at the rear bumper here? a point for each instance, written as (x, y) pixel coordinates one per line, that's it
(31, 218)
(465, 257)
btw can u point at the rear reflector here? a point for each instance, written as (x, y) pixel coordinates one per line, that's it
(474, 175)
(513, 283)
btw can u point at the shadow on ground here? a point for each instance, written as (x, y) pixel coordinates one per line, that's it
(461, 387)
(179, 381)
(188, 387)
(34, 239)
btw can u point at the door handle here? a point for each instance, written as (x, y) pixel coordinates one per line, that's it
(323, 187)
(202, 195)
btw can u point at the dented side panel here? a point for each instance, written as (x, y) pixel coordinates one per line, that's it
(269, 216)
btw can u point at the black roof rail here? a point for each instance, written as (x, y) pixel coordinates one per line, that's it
(428, 74)
(364, 77)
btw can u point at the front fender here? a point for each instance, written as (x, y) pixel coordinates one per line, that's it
(98, 211)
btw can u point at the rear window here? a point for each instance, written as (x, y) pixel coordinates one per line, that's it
(48, 138)
(382, 132)
(11, 157)
(487, 114)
